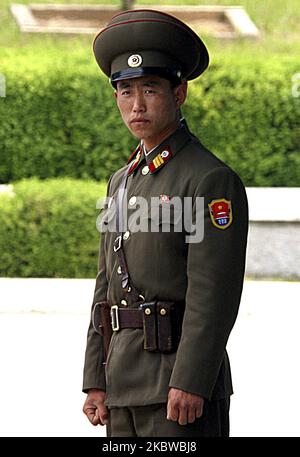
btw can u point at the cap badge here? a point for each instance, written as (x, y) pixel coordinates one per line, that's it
(135, 61)
(220, 213)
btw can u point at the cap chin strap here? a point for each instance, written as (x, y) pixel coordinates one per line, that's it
(172, 74)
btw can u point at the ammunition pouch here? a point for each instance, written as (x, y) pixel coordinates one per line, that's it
(162, 325)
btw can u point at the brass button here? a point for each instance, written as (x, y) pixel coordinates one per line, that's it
(148, 311)
(124, 303)
(132, 201)
(119, 270)
(145, 170)
(163, 312)
(126, 235)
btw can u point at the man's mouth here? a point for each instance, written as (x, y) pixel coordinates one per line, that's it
(139, 121)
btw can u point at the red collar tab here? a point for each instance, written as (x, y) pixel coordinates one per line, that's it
(138, 148)
(135, 162)
(160, 160)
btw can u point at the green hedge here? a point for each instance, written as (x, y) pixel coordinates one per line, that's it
(48, 229)
(59, 118)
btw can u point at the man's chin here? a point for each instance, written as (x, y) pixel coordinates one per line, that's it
(138, 133)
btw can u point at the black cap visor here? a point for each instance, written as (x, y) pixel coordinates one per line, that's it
(173, 75)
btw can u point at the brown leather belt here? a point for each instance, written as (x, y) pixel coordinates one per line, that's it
(161, 322)
(125, 318)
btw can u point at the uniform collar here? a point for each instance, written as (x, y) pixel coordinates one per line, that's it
(165, 151)
(159, 156)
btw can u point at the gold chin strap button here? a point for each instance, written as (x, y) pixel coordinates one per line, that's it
(163, 312)
(147, 311)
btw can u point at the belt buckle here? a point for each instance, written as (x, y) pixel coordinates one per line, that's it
(117, 243)
(114, 314)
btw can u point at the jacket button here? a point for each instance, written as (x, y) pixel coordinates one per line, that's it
(147, 311)
(132, 201)
(124, 303)
(119, 270)
(126, 235)
(163, 312)
(145, 170)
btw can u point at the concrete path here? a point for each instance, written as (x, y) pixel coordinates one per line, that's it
(43, 324)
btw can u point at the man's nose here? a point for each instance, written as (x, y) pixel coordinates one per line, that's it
(139, 103)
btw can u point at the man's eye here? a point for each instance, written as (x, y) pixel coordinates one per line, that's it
(125, 92)
(149, 91)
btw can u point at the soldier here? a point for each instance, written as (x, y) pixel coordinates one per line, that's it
(172, 302)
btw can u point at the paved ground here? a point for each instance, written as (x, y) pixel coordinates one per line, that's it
(42, 338)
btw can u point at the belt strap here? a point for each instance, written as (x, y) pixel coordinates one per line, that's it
(131, 318)
(126, 318)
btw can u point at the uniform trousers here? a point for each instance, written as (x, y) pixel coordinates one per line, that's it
(151, 421)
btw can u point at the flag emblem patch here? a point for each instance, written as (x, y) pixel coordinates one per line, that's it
(220, 213)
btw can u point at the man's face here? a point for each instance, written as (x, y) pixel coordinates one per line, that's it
(149, 107)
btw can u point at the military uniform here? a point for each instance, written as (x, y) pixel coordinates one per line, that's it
(205, 278)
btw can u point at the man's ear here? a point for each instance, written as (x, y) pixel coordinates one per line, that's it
(115, 94)
(180, 93)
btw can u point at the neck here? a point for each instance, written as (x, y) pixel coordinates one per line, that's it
(150, 143)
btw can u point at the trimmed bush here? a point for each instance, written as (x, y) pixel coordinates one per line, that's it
(59, 118)
(245, 113)
(48, 229)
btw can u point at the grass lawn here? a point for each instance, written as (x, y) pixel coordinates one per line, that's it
(278, 20)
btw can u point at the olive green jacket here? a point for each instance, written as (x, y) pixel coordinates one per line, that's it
(207, 275)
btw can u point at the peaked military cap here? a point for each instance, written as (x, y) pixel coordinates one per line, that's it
(140, 42)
